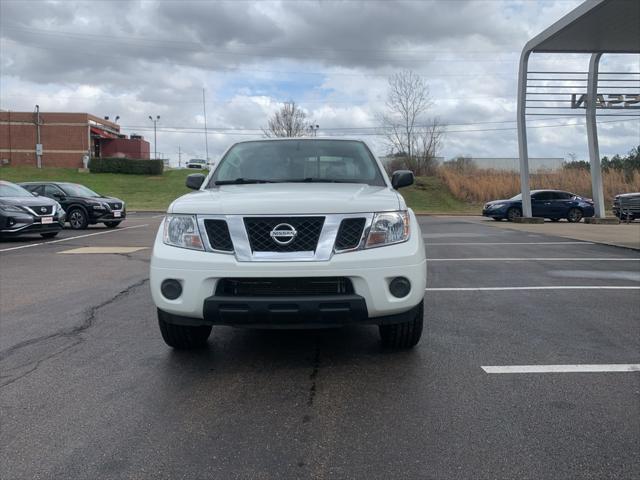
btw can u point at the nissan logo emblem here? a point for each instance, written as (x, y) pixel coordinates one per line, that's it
(43, 209)
(283, 234)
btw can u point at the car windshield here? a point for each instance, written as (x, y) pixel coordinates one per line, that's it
(340, 161)
(12, 190)
(75, 190)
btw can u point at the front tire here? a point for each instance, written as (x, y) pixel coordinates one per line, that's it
(112, 224)
(182, 337)
(574, 215)
(497, 219)
(77, 219)
(402, 336)
(49, 234)
(513, 212)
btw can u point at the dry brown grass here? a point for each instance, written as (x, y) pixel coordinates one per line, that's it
(482, 185)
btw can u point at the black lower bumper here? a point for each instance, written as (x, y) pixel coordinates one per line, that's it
(288, 312)
(107, 217)
(312, 310)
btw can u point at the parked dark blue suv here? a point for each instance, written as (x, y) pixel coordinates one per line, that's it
(552, 204)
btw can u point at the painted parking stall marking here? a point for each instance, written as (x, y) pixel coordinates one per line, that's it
(102, 250)
(511, 243)
(541, 287)
(538, 259)
(594, 368)
(73, 238)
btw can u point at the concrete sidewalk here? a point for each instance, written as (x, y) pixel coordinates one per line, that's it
(621, 235)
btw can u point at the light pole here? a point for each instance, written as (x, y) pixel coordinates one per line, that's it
(155, 136)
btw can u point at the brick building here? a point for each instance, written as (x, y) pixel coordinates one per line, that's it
(66, 138)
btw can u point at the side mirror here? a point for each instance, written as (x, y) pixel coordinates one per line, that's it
(195, 180)
(59, 196)
(35, 194)
(401, 178)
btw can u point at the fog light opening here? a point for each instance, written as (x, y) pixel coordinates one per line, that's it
(400, 287)
(171, 289)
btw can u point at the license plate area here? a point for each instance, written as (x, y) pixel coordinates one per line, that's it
(46, 220)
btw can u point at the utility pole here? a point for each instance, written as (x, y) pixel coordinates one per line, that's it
(155, 136)
(38, 143)
(179, 157)
(206, 139)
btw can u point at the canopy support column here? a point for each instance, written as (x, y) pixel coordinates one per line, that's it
(522, 133)
(592, 136)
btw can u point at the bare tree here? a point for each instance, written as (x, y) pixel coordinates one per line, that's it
(428, 142)
(404, 125)
(289, 121)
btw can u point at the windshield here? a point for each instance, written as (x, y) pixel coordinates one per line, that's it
(12, 190)
(306, 160)
(75, 190)
(517, 197)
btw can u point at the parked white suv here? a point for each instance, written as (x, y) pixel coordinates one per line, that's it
(198, 163)
(291, 233)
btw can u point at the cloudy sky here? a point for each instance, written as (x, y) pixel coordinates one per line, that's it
(135, 58)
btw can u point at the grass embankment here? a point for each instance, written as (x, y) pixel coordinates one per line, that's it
(140, 192)
(431, 195)
(427, 195)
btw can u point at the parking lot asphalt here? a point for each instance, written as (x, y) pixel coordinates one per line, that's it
(89, 389)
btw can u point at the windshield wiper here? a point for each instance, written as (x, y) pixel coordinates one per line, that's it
(242, 181)
(317, 180)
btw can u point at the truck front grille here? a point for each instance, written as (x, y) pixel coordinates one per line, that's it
(349, 233)
(259, 231)
(283, 287)
(218, 233)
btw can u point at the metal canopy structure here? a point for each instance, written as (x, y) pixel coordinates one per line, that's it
(595, 27)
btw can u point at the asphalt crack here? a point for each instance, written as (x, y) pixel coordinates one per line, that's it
(89, 317)
(313, 376)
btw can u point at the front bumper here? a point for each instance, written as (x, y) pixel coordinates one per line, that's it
(495, 212)
(104, 216)
(369, 271)
(15, 224)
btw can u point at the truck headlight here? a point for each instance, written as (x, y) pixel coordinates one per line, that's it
(182, 231)
(388, 228)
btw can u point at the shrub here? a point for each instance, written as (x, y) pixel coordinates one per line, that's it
(126, 165)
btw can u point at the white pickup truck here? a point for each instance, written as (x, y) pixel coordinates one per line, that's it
(291, 233)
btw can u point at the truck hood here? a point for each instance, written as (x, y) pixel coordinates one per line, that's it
(289, 198)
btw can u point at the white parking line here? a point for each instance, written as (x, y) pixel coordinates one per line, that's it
(545, 287)
(615, 367)
(537, 259)
(513, 243)
(73, 238)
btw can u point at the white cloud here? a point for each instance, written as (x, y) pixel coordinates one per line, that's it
(135, 59)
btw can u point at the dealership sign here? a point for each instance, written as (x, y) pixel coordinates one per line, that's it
(607, 101)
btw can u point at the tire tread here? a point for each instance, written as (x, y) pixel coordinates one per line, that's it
(404, 335)
(182, 337)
